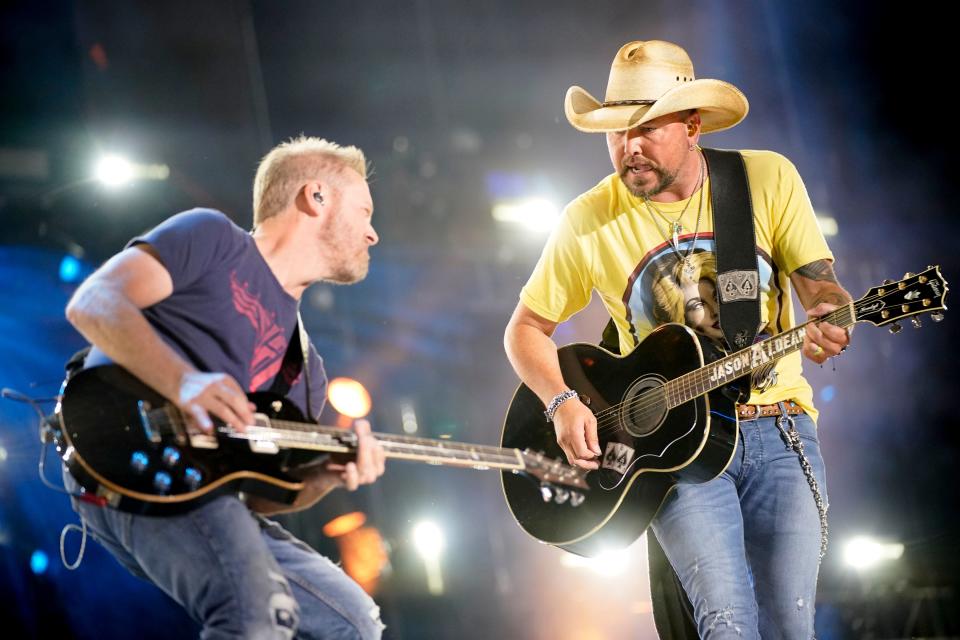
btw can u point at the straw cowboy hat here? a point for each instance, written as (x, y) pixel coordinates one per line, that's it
(651, 79)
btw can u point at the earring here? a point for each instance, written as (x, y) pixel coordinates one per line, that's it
(318, 197)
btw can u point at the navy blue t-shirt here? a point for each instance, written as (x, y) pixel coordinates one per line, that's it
(228, 312)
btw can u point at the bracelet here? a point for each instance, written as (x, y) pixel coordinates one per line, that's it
(558, 400)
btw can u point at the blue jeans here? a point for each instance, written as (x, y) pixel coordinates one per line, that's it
(237, 574)
(746, 544)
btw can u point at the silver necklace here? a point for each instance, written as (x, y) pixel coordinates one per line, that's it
(674, 241)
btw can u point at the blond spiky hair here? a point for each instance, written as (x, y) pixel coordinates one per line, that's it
(290, 164)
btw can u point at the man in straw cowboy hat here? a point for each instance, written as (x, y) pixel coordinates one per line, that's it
(746, 545)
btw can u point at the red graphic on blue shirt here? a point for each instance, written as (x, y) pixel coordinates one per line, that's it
(271, 343)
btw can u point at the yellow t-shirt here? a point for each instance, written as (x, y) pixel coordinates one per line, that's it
(608, 241)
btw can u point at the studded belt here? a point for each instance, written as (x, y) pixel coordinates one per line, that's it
(752, 411)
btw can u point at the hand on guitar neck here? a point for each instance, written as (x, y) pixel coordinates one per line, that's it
(369, 465)
(823, 340)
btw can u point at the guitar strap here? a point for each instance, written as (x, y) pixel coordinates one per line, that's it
(295, 360)
(738, 280)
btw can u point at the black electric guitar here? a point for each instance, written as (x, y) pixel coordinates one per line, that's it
(130, 448)
(666, 414)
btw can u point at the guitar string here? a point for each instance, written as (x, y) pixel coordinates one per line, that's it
(693, 380)
(689, 380)
(609, 419)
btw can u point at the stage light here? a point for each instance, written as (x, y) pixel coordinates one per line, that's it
(828, 224)
(114, 171)
(428, 539)
(609, 563)
(535, 214)
(69, 269)
(408, 418)
(3, 454)
(349, 397)
(828, 393)
(865, 553)
(429, 542)
(39, 561)
(342, 525)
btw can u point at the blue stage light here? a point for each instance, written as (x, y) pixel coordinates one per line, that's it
(828, 392)
(70, 269)
(39, 562)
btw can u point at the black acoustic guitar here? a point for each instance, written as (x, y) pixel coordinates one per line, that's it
(130, 448)
(666, 414)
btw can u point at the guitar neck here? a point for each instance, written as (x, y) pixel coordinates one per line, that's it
(744, 362)
(299, 435)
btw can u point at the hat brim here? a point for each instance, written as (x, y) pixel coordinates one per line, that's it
(720, 104)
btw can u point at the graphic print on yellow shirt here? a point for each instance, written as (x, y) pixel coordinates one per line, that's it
(608, 242)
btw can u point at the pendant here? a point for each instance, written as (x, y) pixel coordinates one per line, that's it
(677, 228)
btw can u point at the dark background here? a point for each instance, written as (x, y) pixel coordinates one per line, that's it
(456, 105)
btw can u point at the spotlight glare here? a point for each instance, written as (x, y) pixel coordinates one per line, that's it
(428, 539)
(865, 553)
(828, 224)
(535, 214)
(349, 397)
(608, 563)
(114, 171)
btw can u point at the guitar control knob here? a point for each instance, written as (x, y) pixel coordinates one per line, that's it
(546, 492)
(192, 478)
(896, 328)
(139, 461)
(915, 321)
(936, 316)
(576, 498)
(162, 481)
(561, 495)
(171, 456)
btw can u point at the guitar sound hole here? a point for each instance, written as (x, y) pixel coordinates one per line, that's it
(644, 407)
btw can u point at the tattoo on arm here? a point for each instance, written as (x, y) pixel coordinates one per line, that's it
(833, 298)
(819, 270)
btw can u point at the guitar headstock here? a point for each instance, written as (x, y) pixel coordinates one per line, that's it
(894, 300)
(553, 472)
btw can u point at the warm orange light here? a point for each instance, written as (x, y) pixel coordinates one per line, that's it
(349, 397)
(364, 557)
(344, 524)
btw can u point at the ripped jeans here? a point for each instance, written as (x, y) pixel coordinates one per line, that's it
(746, 544)
(238, 575)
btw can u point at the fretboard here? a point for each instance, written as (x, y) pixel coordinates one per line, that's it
(716, 374)
(298, 435)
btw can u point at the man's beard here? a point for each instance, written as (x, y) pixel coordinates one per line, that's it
(350, 272)
(664, 180)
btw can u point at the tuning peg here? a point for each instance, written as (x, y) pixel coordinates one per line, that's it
(915, 321)
(546, 492)
(936, 316)
(908, 274)
(561, 495)
(896, 328)
(576, 498)
(887, 281)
